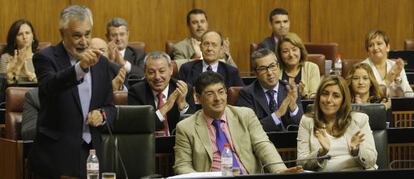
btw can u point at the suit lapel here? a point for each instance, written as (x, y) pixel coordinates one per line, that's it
(202, 132)
(63, 61)
(261, 98)
(281, 94)
(196, 70)
(149, 96)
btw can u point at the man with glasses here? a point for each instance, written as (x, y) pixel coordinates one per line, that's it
(275, 102)
(211, 47)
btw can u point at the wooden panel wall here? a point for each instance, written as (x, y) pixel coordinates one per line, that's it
(347, 22)
(243, 21)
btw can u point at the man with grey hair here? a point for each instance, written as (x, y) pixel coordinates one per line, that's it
(170, 98)
(75, 93)
(131, 59)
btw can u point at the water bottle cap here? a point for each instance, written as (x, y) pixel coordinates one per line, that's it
(92, 151)
(226, 145)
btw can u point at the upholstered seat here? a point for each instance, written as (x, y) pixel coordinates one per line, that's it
(15, 97)
(133, 137)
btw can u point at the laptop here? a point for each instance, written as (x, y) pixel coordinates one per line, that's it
(406, 55)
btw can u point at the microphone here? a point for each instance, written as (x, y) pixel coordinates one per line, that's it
(103, 113)
(324, 157)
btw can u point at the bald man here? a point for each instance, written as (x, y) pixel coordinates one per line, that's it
(119, 80)
(100, 44)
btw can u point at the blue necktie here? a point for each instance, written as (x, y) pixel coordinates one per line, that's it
(221, 140)
(272, 102)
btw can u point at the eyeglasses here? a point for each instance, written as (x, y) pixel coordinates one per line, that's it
(263, 69)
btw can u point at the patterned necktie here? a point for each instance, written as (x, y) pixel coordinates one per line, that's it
(221, 140)
(165, 122)
(209, 68)
(272, 102)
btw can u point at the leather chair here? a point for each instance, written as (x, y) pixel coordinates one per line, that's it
(330, 50)
(409, 44)
(169, 48)
(175, 69)
(377, 121)
(15, 97)
(137, 45)
(131, 143)
(233, 94)
(120, 97)
(318, 59)
(347, 65)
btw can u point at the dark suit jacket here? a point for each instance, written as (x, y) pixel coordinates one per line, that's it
(136, 58)
(190, 71)
(253, 96)
(57, 147)
(31, 108)
(141, 94)
(269, 43)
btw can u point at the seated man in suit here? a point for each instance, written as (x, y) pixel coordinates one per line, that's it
(117, 33)
(276, 103)
(189, 48)
(31, 108)
(169, 97)
(200, 137)
(119, 74)
(211, 47)
(279, 23)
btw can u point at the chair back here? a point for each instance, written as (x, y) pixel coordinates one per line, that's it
(133, 137)
(377, 121)
(233, 94)
(120, 97)
(347, 65)
(409, 44)
(318, 59)
(169, 48)
(15, 97)
(330, 50)
(137, 45)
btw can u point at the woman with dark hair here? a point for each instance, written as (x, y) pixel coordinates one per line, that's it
(16, 59)
(363, 86)
(295, 67)
(333, 129)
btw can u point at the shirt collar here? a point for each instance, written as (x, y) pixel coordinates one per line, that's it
(164, 92)
(210, 119)
(214, 66)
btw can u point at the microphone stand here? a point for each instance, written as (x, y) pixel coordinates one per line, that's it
(103, 113)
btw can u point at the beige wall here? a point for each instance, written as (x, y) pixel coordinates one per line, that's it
(243, 21)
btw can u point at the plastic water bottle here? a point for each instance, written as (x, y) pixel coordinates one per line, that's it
(92, 165)
(338, 66)
(227, 161)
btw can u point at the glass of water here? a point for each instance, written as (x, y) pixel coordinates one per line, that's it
(108, 175)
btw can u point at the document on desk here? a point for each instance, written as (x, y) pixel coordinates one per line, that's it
(197, 174)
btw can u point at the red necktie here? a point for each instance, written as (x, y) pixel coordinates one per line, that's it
(165, 122)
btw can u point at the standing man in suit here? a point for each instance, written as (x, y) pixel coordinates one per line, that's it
(211, 47)
(201, 137)
(275, 102)
(131, 59)
(189, 48)
(279, 23)
(168, 96)
(74, 92)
